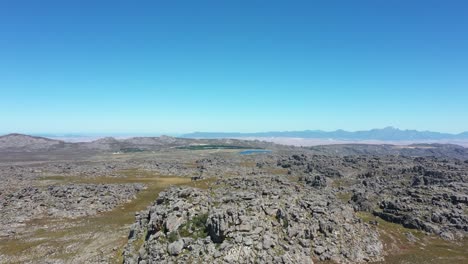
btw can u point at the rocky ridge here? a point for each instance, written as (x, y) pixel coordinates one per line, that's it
(245, 220)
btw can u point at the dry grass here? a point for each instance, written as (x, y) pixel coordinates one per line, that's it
(70, 239)
(344, 197)
(247, 164)
(341, 182)
(277, 171)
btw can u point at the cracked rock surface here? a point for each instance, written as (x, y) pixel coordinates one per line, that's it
(246, 220)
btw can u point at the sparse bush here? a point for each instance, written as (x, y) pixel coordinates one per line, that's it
(172, 236)
(195, 227)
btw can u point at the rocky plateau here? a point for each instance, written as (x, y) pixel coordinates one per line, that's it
(172, 200)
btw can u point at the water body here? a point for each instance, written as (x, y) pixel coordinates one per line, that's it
(255, 151)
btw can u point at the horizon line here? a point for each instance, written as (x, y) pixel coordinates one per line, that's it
(81, 134)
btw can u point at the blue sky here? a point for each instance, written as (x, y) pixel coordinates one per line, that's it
(182, 66)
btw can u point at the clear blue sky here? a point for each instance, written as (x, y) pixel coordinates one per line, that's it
(181, 66)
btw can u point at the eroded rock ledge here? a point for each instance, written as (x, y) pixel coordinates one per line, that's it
(250, 220)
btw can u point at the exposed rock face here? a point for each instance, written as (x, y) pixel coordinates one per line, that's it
(424, 193)
(218, 224)
(362, 202)
(247, 220)
(427, 194)
(175, 248)
(316, 181)
(431, 209)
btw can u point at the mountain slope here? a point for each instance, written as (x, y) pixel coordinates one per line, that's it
(386, 134)
(20, 142)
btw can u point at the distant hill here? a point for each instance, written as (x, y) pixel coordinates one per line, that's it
(413, 150)
(384, 134)
(16, 146)
(28, 143)
(18, 143)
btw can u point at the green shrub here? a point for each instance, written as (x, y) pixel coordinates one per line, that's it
(172, 236)
(195, 227)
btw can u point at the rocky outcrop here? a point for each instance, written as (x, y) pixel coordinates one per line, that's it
(66, 201)
(362, 202)
(245, 220)
(316, 181)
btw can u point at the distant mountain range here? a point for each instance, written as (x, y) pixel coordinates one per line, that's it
(384, 134)
(17, 147)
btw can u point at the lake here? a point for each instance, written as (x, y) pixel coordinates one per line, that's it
(255, 151)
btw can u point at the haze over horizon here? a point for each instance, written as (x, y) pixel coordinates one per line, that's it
(217, 134)
(177, 67)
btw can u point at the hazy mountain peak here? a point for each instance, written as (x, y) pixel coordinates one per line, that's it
(389, 128)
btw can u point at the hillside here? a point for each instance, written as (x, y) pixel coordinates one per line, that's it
(19, 142)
